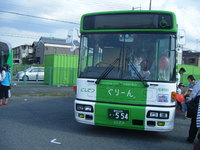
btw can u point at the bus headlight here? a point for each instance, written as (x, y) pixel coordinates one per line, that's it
(86, 108)
(158, 114)
(153, 114)
(79, 107)
(164, 115)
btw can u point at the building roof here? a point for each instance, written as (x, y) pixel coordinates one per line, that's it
(34, 44)
(52, 40)
(191, 53)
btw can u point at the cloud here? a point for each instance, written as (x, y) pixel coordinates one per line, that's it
(187, 12)
(188, 16)
(15, 36)
(73, 10)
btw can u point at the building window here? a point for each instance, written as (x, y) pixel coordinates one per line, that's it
(191, 60)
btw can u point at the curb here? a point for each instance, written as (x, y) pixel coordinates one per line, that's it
(44, 95)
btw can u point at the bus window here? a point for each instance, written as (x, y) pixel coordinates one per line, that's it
(99, 52)
(143, 54)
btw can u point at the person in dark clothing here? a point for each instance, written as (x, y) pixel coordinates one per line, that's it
(197, 145)
(194, 98)
(182, 70)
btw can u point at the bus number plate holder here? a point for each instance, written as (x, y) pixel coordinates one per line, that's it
(118, 114)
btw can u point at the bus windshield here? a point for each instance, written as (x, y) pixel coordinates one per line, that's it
(131, 55)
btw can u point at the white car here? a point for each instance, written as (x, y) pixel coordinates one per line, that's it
(32, 73)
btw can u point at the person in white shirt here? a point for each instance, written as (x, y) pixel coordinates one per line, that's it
(181, 71)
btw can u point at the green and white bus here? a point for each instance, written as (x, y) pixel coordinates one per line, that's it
(6, 55)
(115, 90)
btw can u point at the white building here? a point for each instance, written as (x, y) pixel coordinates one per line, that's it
(22, 51)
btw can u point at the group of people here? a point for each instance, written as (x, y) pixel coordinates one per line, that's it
(191, 107)
(5, 77)
(146, 66)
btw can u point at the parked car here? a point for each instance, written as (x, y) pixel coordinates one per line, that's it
(32, 73)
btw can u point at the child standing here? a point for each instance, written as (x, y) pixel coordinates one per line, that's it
(5, 85)
(179, 91)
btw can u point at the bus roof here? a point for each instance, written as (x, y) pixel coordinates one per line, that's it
(129, 12)
(5, 46)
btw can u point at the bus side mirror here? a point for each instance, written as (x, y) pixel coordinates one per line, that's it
(179, 50)
(181, 37)
(73, 35)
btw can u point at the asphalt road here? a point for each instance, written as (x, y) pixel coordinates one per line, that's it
(47, 123)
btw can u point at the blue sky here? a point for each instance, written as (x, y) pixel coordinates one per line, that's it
(18, 30)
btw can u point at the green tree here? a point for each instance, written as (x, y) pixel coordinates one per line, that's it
(25, 60)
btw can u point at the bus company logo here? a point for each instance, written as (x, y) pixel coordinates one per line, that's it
(163, 90)
(87, 90)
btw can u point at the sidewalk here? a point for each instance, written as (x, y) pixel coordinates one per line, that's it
(23, 91)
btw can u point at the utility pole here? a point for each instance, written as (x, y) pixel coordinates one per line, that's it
(150, 5)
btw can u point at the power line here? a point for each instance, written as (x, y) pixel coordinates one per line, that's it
(20, 14)
(19, 36)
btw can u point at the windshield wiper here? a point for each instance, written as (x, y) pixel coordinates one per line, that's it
(138, 74)
(107, 71)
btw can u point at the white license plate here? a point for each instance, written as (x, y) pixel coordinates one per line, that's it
(118, 114)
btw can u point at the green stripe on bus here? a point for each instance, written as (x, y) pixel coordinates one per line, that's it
(136, 115)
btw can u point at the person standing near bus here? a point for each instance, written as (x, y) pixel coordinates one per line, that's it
(180, 89)
(181, 72)
(194, 98)
(186, 100)
(197, 145)
(178, 83)
(5, 85)
(192, 81)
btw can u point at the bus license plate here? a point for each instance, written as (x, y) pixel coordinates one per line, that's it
(118, 114)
